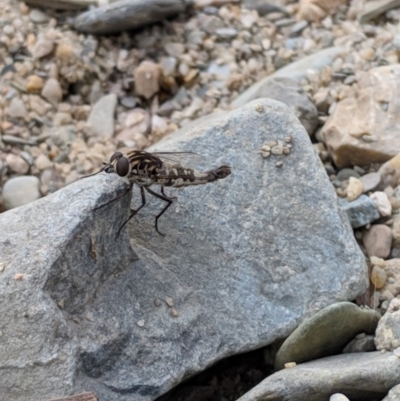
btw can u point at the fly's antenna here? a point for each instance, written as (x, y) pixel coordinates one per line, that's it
(105, 165)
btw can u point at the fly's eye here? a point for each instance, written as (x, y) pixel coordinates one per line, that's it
(116, 155)
(122, 167)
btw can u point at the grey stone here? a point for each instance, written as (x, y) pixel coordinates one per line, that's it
(296, 71)
(195, 37)
(326, 333)
(361, 376)
(234, 255)
(19, 191)
(361, 211)
(265, 7)
(226, 33)
(38, 16)
(394, 394)
(17, 108)
(65, 254)
(370, 181)
(362, 344)
(375, 8)
(128, 102)
(345, 173)
(287, 91)
(298, 27)
(101, 117)
(387, 334)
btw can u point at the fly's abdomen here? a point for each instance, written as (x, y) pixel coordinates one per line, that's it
(178, 177)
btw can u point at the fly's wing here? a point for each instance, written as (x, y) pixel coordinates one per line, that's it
(183, 159)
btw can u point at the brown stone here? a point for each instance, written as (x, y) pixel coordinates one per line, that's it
(316, 10)
(353, 139)
(378, 240)
(378, 277)
(34, 83)
(147, 79)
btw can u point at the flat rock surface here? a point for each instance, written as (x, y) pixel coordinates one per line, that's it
(243, 262)
(362, 376)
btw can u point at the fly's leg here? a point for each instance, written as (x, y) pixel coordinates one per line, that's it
(165, 199)
(116, 198)
(134, 211)
(172, 198)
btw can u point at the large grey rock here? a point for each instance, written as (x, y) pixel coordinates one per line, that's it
(361, 376)
(245, 260)
(326, 333)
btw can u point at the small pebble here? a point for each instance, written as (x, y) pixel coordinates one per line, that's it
(43, 162)
(140, 323)
(42, 48)
(17, 164)
(354, 189)
(101, 117)
(52, 91)
(147, 79)
(279, 164)
(17, 108)
(157, 302)
(375, 261)
(370, 181)
(378, 241)
(173, 312)
(19, 191)
(169, 301)
(338, 397)
(18, 276)
(289, 365)
(378, 277)
(2, 266)
(382, 203)
(345, 174)
(38, 16)
(34, 83)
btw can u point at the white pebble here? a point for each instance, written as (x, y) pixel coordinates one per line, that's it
(382, 203)
(338, 397)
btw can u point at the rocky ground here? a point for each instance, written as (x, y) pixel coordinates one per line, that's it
(68, 100)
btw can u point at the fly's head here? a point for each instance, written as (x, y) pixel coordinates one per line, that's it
(118, 164)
